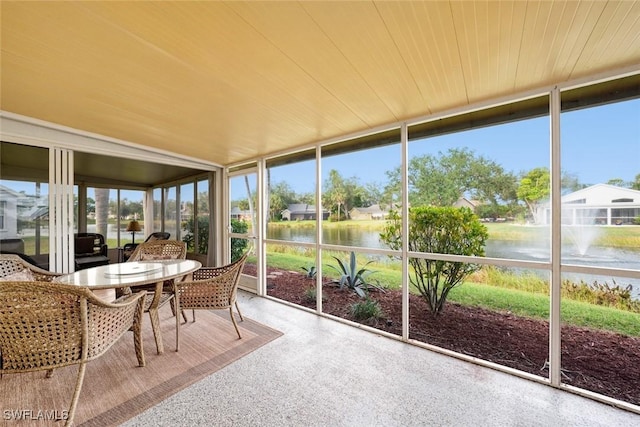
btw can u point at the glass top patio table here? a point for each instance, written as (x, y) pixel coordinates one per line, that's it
(127, 274)
(135, 273)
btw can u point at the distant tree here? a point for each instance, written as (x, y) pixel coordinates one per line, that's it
(137, 207)
(635, 185)
(494, 210)
(280, 196)
(128, 208)
(276, 206)
(373, 194)
(534, 187)
(571, 183)
(91, 204)
(618, 182)
(440, 180)
(335, 192)
(342, 194)
(308, 198)
(203, 204)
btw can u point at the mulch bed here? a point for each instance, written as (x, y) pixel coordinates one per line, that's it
(603, 362)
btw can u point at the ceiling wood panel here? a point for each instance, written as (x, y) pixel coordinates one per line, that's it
(490, 41)
(315, 54)
(360, 34)
(277, 78)
(425, 36)
(231, 81)
(615, 38)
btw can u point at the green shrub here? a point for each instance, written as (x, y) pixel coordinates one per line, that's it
(203, 235)
(366, 310)
(603, 294)
(597, 293)
(238, 246)
(311, 294)
(441, 230)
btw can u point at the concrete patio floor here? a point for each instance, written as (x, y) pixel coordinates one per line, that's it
(325, 373)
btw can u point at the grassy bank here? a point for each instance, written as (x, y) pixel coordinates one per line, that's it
(537, 305)
(526, 296)
(627, 237)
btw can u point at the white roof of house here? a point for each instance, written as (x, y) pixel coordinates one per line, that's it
(369, 209)
(603, 194)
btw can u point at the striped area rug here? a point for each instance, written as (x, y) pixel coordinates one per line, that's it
(115, 389)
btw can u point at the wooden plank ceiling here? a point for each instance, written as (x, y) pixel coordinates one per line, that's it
(229, 81)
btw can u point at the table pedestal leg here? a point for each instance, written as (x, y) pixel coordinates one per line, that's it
(155, 317)
(137, 335)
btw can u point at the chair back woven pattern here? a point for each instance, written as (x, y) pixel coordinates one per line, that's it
(47, 325)
(106, 325)
(10, 264)
(158, 250)
(211, 287)
(40, 329)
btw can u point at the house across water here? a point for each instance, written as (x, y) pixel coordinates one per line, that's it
(599, 204)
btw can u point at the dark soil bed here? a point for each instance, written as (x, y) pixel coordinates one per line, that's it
(603, 362)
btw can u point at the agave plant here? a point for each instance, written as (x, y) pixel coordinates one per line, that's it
(352, 277)
(310, 272)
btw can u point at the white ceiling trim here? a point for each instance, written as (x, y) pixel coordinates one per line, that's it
(27, 130)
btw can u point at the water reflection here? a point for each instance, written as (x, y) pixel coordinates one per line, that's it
(527, 250)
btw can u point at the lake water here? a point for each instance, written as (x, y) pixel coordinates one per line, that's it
(509, 249)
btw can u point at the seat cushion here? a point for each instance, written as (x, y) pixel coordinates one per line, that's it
(91, 261)
(84, 246)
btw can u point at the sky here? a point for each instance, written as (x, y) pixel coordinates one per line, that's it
(598, 144)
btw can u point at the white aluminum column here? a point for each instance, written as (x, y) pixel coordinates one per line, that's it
(556, 242)
(61, 242)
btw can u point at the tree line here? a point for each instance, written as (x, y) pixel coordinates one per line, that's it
(437, 180)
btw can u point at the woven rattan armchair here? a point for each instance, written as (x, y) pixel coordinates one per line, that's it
(212, 288)
(13, 264)
(158, 250)
(47, 325)
(128, 248)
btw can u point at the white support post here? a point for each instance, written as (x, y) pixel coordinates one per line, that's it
(556, 242)
(319, 219)
(260, 227)
(61, 243)
(404, 142)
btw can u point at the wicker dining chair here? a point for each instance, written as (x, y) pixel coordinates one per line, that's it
(158, 250)
(48, 325)
(212, 288)
(128, 248)
(15, 268)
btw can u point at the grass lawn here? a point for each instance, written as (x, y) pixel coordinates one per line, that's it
(496, 298)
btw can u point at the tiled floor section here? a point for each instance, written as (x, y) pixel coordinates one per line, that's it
(324, 373)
